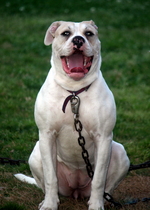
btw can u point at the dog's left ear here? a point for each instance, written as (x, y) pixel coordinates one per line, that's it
(49, 36)
(93, 24)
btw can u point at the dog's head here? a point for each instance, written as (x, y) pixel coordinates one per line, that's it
(76, 49)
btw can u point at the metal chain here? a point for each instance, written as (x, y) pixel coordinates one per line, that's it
(85, 156)
(75, 103)
(139, 166)
(81, 141)
(10, 161)
(110, 199)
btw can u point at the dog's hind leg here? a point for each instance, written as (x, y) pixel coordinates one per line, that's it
(118, 167)
(36, 168)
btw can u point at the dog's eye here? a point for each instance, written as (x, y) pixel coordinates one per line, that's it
(89, 33)
(66, 33)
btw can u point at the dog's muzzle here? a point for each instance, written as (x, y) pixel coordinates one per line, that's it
(77, 65)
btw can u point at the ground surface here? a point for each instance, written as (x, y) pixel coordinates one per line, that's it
(14, 192)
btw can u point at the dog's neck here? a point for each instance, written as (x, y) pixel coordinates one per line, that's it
(71, 85)
(74, 93)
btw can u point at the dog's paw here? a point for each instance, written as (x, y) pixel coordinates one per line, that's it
(49, 205)
(95, 205)
(95, 208)
(100, 208)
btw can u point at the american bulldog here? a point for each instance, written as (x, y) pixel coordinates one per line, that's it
(56, 162)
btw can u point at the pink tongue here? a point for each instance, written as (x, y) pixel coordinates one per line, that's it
(76, 61)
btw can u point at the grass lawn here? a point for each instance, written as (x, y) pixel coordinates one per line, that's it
(124, 31)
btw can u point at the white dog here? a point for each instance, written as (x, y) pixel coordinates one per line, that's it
(56, 162)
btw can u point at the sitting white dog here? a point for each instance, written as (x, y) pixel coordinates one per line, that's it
(56, 162)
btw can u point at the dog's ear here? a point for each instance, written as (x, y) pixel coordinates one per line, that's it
(50, 33)
(93, 24)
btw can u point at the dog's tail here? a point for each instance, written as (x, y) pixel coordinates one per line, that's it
(26, 179)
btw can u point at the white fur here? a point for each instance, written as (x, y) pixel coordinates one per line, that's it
(26, 179)
(57, 136)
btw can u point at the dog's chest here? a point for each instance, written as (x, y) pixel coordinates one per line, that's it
(68, 148)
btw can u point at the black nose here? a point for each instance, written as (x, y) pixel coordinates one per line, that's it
(78, 41)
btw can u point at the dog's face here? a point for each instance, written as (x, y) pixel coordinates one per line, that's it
(76, 48)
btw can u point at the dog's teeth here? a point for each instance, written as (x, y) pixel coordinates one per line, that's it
(67, 61)
(84, 62)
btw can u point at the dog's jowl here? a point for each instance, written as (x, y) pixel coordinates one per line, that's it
(56, 162)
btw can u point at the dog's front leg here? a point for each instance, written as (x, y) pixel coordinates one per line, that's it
(102, 158)
(47, 142)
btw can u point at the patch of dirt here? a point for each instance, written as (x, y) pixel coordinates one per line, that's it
(133, 186)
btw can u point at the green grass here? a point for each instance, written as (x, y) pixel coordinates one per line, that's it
(12, 206)
(124, 32)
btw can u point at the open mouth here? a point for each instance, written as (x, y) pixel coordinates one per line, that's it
(76, 65)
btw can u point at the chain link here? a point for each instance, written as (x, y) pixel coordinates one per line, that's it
(110, 199)
(81, 141)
